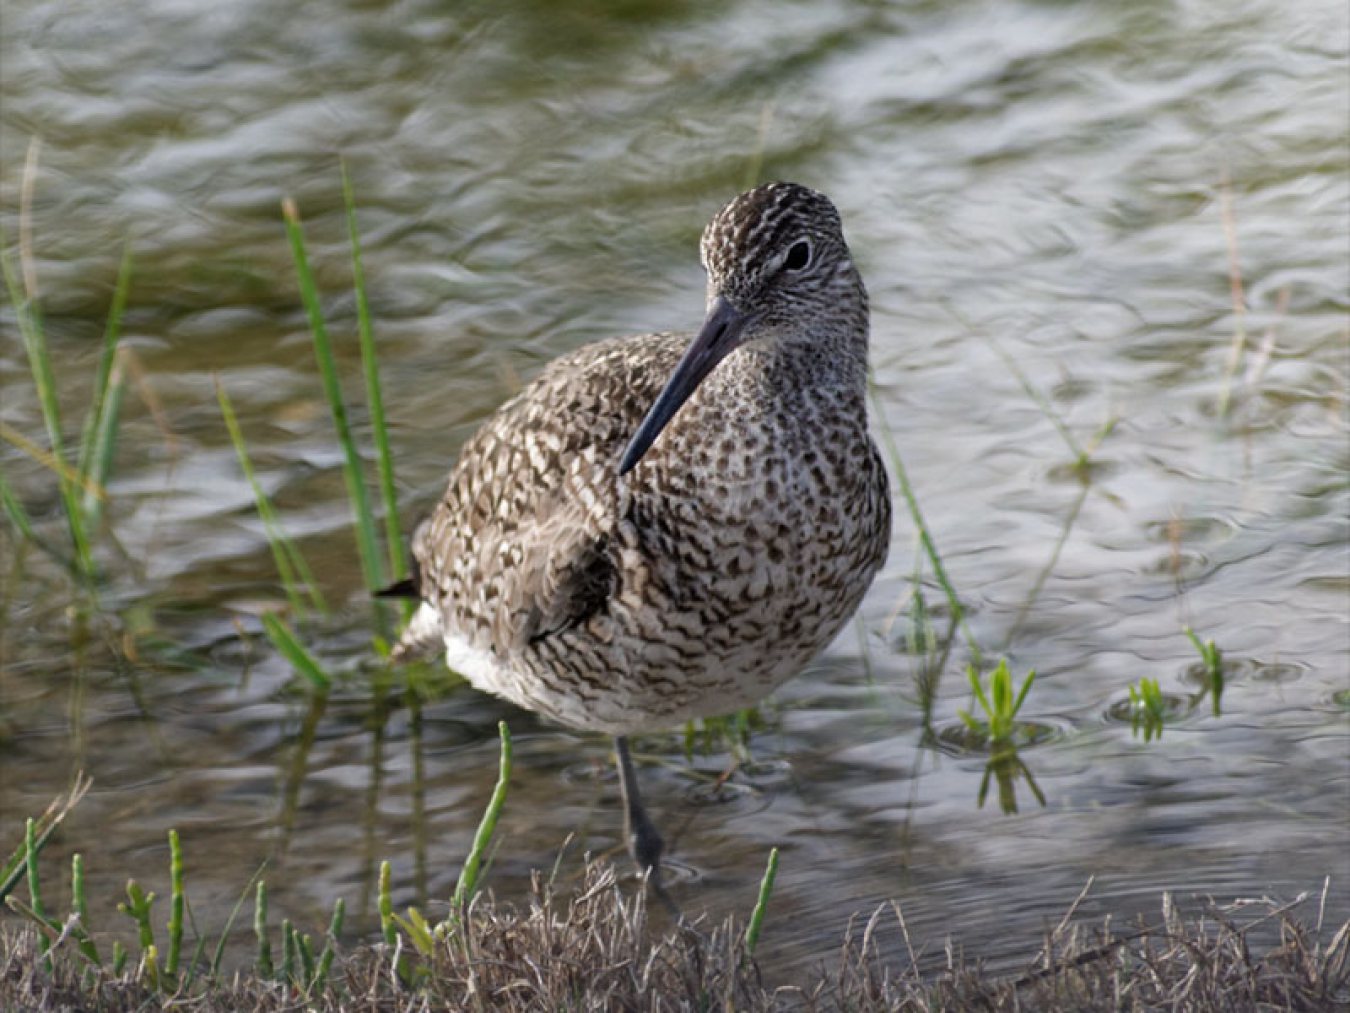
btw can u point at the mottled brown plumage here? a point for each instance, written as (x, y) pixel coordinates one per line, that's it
(620, 559)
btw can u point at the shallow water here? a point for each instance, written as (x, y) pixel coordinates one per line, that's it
(1025, 183)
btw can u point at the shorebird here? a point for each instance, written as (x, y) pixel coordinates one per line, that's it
(667, 526)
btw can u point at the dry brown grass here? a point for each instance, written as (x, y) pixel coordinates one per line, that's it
(594, 950)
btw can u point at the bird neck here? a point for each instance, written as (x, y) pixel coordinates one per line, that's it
(824, 356)
(789, 378)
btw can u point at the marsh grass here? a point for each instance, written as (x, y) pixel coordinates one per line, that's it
(1148, 709)
(160, 964)
(370, 368)
(375, 568)
(999, 706)
(301, 589)
(1236, 293)
(467, 885)
(926, 540)
(996, 730)
(1211, 660)
(1081, 453)
(82, 469)
(756, 925)
(82, 473)
(17, 865)
(81, 482)
(594, 948)
(288, 645)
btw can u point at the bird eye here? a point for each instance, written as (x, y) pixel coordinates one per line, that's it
(798, 257)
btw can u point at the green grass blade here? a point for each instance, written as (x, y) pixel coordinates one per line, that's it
(287, 972)
(293, 651)
(370, 366)
(1000, 688)
(1235, 288)
(264, 959)
(978, 687)
(39, 362)
(306, 953)
(1042, 402)
(1022, 693)
(12, 872)
(100, 425)
(18, 516)
(320, 978)
(34, 885)
(468, 877)
(762, 904)
(388, 927)
(105, 440)
(80, 905)
(371, 567)
(219, 955)
(35, 346)
(111, 333)
(418, 931)
(176, 902)
(920, 525)
(291, 565)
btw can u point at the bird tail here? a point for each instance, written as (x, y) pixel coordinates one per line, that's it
(405, 588)
(423, 633)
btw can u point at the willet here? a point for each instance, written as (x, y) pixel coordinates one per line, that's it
(667, 526)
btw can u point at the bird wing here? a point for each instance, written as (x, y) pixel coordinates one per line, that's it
(524, 543)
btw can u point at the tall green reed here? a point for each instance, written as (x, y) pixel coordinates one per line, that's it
(920, 525)
(302, 591)
(370, 367)
(296, 578)
(82, 472)
(374, 567)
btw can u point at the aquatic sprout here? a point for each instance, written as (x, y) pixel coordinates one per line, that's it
(1148, 709)
(1000, 705)
(1212, 660)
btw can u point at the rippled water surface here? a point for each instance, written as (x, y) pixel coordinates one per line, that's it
(1035, 194)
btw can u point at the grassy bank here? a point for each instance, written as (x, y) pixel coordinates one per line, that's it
(592, 948)
(587, 943)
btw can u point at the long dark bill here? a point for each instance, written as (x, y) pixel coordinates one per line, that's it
(721, 332)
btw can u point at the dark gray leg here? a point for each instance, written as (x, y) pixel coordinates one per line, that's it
(644, 843)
